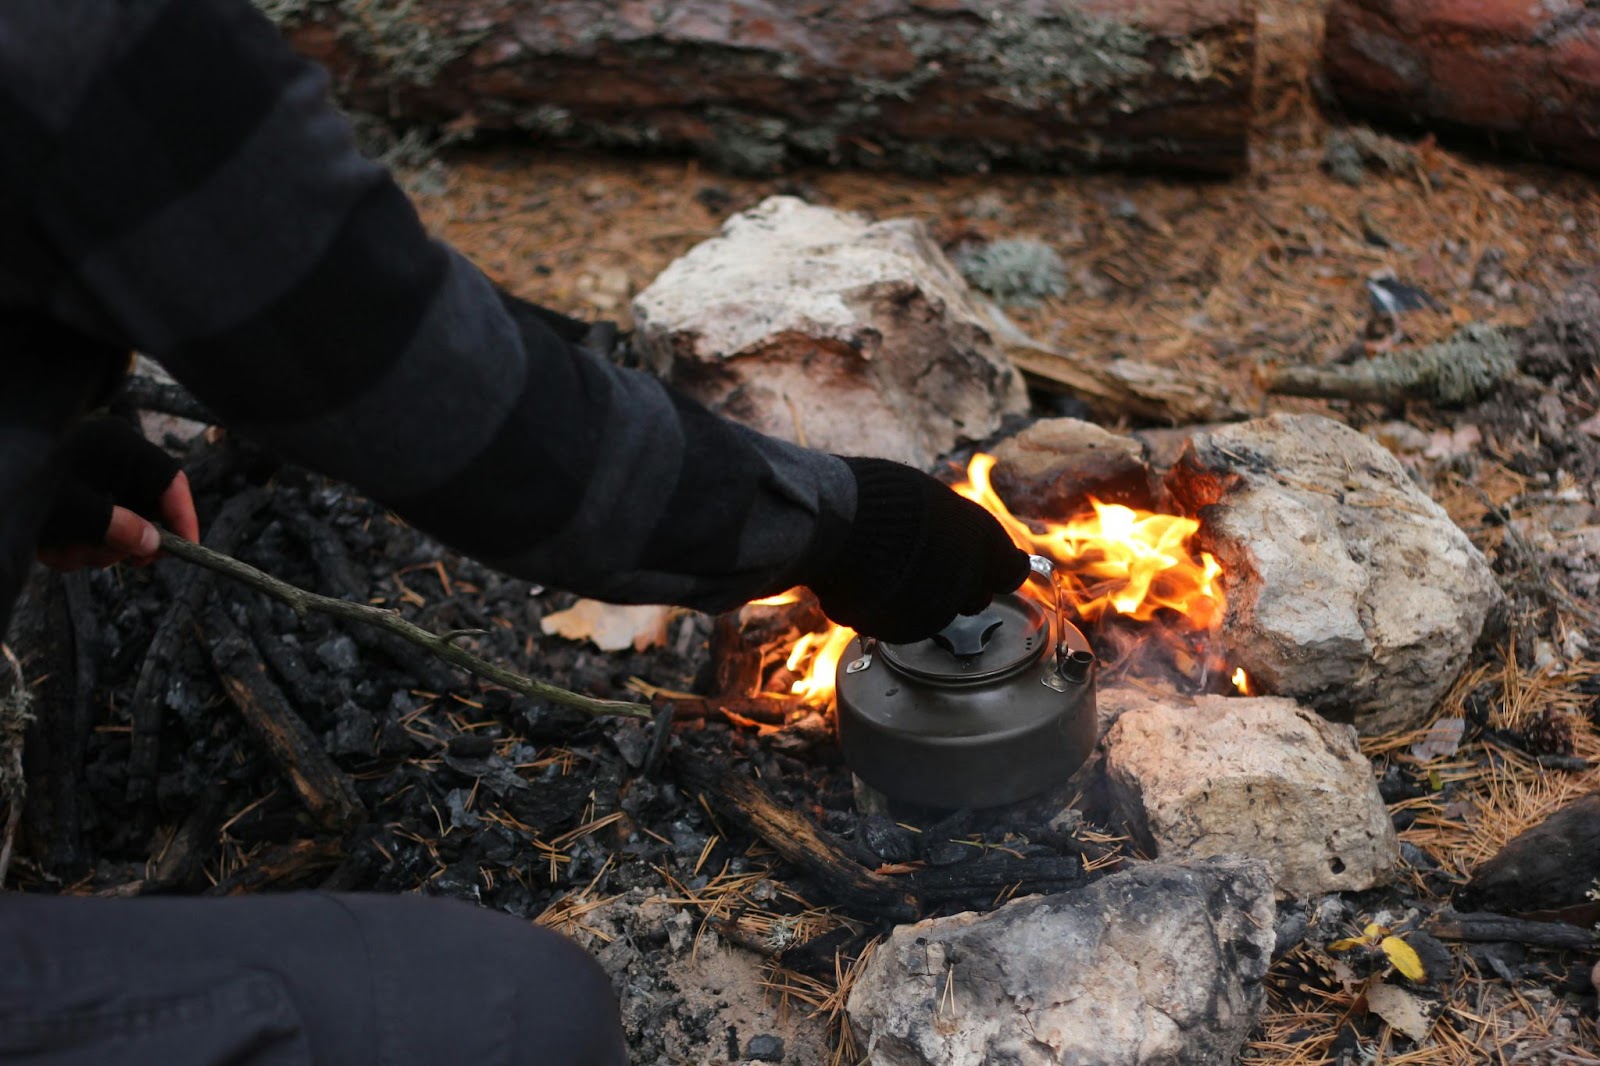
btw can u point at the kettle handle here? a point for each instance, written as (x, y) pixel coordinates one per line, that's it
(1068, 667)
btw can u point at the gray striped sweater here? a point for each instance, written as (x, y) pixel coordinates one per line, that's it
(173, 180)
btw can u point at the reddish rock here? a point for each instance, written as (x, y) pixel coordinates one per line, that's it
(1524, 72)
(757, 85)
(1052, 469)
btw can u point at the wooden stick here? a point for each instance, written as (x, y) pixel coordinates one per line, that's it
(1489, 928)
(440, 645)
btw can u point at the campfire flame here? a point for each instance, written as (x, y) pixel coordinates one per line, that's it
(1113, 559)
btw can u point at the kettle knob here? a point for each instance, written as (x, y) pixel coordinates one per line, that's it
(969, 634)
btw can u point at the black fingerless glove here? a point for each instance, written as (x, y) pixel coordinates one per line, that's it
(104, 462)
(916, 555)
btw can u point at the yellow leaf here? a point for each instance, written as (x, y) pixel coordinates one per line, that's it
(1347, 943)
(1404, 957)
(1373, 931)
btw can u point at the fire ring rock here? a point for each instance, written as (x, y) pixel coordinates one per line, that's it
(1348, 588)
(1160, 964)
(824, 328)
(1262, 778)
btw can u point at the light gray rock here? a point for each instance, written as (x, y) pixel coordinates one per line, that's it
(1158, 965)
(1259, 777)
(1348, 588)
(823, 327)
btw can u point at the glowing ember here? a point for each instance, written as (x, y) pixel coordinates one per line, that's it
(1241, 681)
(1113, 558)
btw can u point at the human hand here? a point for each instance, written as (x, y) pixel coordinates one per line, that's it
(114, 484)
(917, 554)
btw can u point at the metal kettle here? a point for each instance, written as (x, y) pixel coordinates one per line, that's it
(995, 708)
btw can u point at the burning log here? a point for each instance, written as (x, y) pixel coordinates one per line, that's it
(758, 87)
(326, 791)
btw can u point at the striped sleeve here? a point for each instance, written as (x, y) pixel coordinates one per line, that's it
(202, 202)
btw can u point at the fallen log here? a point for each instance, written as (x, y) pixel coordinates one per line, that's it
(326, 791)
(758, 86)
(1472, 365)
(1523, 75)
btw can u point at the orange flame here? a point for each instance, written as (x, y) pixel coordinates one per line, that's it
(1113, 558)
(1241, 681)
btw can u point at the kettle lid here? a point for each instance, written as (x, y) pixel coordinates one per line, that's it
(1009, 634)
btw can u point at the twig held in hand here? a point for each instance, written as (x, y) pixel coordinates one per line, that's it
(442, 647)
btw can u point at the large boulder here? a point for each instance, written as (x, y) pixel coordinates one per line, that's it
(1525, 73)
(1159, 964)
(1262, 778)
(825, 328)
(1348, 588)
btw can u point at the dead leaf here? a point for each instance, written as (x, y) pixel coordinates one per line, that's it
(610, 626)
(1404, 957)
(1442, 738)
(1405, 1012)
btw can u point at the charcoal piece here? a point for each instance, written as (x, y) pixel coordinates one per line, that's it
(981, 880)
(764, 1048)
(549, 803)
(354, 735)
(459, 881)
(632, 739)
(455, 802)
(888, 841)
(471, 746)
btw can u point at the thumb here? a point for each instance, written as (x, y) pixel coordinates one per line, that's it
(129, 534)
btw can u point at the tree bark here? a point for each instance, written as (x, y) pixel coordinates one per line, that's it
(758, 85)
(1526, 75)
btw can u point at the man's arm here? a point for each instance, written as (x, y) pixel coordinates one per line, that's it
(180, 184)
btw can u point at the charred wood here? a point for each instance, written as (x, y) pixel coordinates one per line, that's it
(56, 642)
(188, 587)
(179, 865)
(743, 801)
(286, 863)
(1552, 866)
(1490, 928)
(990, 878)
(326, 791)
(916, 86)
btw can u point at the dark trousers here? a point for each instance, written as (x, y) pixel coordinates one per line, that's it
(306, 979)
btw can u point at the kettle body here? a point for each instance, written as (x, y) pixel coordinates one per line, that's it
(995, 708)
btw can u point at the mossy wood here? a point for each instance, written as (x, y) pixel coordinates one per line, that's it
(949, 86)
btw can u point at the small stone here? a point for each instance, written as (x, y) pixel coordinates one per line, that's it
(764, 1048)
(1051, 469)
(948, 853)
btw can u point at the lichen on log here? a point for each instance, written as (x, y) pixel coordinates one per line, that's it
(757, 85)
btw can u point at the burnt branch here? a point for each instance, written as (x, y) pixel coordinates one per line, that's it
(441, 646)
